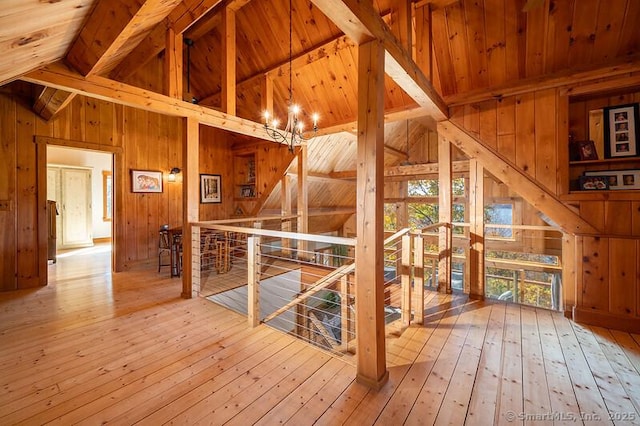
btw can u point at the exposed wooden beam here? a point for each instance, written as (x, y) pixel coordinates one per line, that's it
(173, 65)
(51, 101)
(395, 152)
(228, 103)
(190, 203)
(58, 76)
(324, 177)
(303, 198)
(535, 194)
(181, 18)
(401, 114)
(569, 77)
(445, 214)
(406, 171)
(370, 351)
(360, 21)
(99, 47)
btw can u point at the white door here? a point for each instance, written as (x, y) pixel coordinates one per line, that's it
(75, 208)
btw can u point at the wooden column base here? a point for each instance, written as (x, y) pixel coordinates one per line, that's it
(373, 383)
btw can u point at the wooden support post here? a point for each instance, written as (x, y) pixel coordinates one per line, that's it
(370, 326)
(303, 202)
(190, 209)
(285, 210)
(173, 65)
(344, 313)
(476, 227)
(405, 308)
(253, 281)
(228, 97)
(445, 240)
(418, 279)
(569, 283)
(266, 94)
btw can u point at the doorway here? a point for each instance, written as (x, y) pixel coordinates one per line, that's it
(76, 182)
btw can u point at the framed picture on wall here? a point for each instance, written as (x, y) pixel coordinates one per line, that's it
(146, 181)
(620, 126)
(618, 179)
(210, 188)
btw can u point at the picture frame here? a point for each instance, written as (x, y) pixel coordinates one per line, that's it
(621, 123)
(146, 181)
(585, 150)
(619, 179)
(210, 188)
(594, 183)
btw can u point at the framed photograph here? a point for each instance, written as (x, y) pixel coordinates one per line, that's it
(594, 183)
(617, 179)
(210, 189)
(620, 125)
(586, 150)
(146, 181)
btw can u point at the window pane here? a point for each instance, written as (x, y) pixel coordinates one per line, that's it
(422, 215)
(423, 188)
(498, 214)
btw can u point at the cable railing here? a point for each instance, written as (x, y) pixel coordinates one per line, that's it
(523, 264)
(301, 284)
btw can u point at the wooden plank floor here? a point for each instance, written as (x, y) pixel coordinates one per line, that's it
(93, 348)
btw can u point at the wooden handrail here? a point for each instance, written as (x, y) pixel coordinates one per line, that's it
(395, 236)
(322, 283)
(244, 220)
(279, 234)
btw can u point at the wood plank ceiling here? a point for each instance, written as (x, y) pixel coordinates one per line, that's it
(467, 48)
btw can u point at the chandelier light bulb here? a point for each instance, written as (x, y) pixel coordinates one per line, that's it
(266, 117)
(295, 109)
(275, 123)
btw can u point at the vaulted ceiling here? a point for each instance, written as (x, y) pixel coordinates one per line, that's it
(467, 49)
(463, 46)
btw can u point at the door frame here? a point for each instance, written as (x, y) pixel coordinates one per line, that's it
(118, 174)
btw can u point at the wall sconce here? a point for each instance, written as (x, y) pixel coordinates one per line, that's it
(173, 173)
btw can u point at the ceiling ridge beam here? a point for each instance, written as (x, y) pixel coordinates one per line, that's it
(59, 76)
(360, 22)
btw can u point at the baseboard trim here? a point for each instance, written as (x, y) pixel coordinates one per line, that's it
(606, 320)
(102, 240)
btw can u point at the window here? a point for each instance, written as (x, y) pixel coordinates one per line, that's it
(107, 195)
(498, 214)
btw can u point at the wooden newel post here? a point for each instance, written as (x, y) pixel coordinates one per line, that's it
(406, 281)
(253, 279)
(418, 279)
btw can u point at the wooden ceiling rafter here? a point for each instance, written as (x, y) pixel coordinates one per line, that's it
(360, 22)
(183, 17)
(104, 52)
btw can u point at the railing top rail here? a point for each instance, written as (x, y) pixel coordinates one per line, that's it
(524, 227)
(395, 236)
(278, 234)
(430, 227)
(244, 220)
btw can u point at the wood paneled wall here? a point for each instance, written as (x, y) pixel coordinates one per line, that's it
(530, 131)
(146, 141)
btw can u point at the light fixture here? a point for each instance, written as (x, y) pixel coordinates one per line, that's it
(293, 133)
(172, 174)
